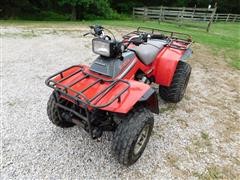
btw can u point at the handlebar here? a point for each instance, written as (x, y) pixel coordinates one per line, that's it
(95, 31)
(137, 39)
(98, 31)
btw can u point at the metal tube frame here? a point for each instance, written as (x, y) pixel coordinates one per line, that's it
(80, 99)
(173, 35)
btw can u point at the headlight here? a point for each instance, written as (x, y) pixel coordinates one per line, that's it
(101, 47)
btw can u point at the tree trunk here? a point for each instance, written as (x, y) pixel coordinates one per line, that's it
(74, 13)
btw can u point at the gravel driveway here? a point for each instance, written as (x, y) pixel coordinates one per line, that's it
(196, 138)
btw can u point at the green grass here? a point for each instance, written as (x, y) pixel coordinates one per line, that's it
(222, 38)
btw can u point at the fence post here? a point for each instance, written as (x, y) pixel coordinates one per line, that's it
(133, 14)
(160, 14)
(235, 18)
(145, 13)
(181, 21)
(216, 17)
(193, 13)
(227, 17)
(212, 16)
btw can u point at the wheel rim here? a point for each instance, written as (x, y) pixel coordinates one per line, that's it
(141, 141)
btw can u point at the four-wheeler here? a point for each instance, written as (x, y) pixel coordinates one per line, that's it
(114, 93)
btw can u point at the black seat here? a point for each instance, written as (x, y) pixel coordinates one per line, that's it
(147, 52)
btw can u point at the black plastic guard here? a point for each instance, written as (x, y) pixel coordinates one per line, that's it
(150, 100)
(111, 66)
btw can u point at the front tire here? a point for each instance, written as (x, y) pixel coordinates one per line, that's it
(132, 135)
(54, 113)
(176, 91)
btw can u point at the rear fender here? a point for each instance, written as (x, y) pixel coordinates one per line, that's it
(166, 64)
(150, 101)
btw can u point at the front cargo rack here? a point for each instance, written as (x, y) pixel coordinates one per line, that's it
(79, 98)
(182, 38)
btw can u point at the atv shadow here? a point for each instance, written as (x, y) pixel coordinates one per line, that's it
(74, 146)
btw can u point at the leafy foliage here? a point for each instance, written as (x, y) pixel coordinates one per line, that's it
(92, 9)
(76, 2)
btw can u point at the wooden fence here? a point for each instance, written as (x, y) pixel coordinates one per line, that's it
(227, 17)
(180, 14)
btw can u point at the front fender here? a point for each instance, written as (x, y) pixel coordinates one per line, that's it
(135, 92)
(150, 100)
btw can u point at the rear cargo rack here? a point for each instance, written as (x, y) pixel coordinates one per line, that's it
(79, 98)
(182, 38)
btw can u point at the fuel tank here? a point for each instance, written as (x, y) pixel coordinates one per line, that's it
(111, 67)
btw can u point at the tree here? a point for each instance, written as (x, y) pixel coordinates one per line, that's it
(74, 5)
(88, 9)
(12, 8)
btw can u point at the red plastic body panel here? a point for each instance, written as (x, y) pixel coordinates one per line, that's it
(127, 100)
(165, 65)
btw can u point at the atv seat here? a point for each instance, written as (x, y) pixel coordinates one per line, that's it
(147, 52)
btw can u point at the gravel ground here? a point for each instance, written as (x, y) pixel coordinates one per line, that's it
(196, 138)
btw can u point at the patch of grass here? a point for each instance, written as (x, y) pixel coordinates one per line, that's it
(183, 123)
(87, 45)
(169, 107)
(172, 160)
(200, 145)
(212, 172)
(236, 161)
(205, 136)
(25, 34)
(157, 134)
(11, 103)
(229, 129)
(187, 97)
(215, 172)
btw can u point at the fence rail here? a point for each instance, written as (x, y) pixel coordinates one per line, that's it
(227, 17)
(163, 13)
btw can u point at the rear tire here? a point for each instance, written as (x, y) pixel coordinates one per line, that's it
(132, 135)
(54, 114)
(176, 91)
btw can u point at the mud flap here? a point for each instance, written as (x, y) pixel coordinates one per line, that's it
(150, 100)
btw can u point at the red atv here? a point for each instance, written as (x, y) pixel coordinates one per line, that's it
(114, 93)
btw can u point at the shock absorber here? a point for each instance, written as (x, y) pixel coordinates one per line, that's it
(145, 80)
